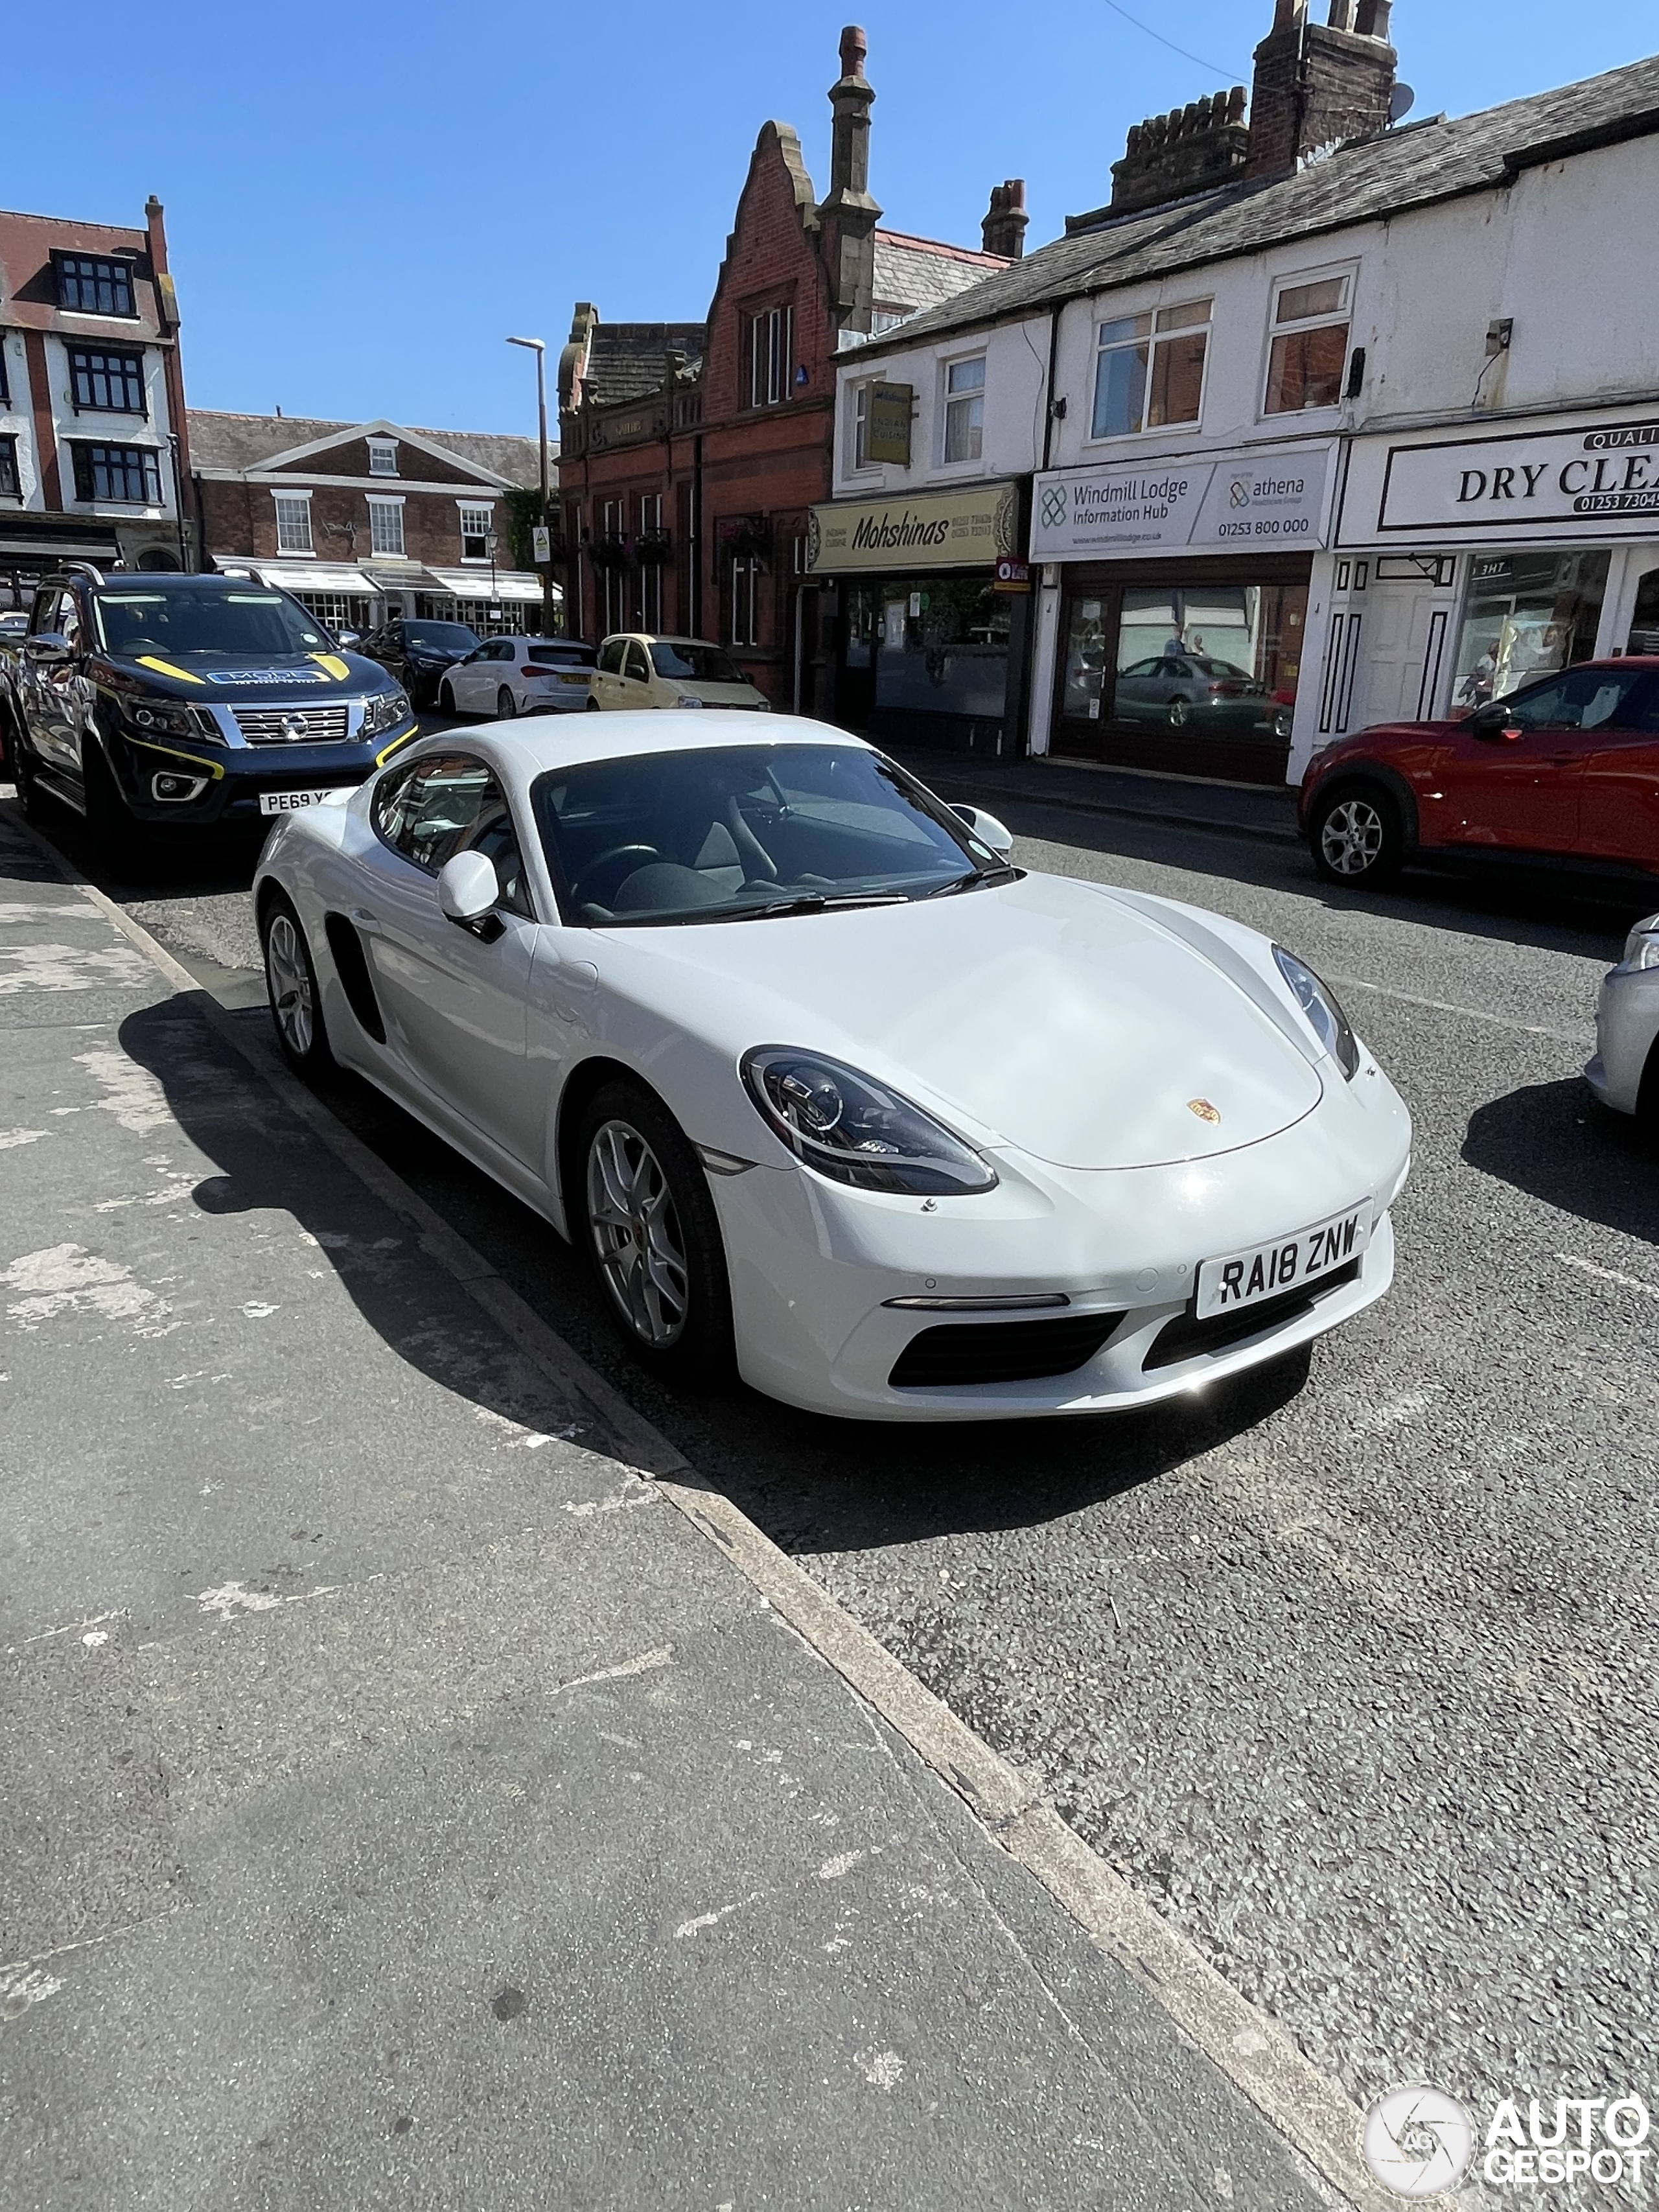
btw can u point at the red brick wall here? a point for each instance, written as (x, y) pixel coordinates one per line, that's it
(241, 518)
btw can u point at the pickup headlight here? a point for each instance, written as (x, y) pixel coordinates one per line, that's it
(854, 1130)
(1642, 945)
(1324, 1014)
(384, 712)
(171, 718)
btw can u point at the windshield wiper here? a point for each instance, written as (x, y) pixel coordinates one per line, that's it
(809, 902)
(978, 880)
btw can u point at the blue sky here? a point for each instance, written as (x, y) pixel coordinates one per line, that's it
(362, 202)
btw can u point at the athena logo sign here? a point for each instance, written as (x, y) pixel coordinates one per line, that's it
(1418, 2141)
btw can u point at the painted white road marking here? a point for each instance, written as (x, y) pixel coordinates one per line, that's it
(1609, 1275)
(646, 1663)
(1581, 1037)
(10, 1137)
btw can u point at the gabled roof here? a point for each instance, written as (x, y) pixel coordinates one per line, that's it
(1365, 181)
(914, 273)
(235, 442)
(630, 361)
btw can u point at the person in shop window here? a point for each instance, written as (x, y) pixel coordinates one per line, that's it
(1175, 646)
(1477, 683)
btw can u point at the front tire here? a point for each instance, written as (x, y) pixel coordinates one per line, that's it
(296, 1005)
(1355, 836)
(446, 700)
(113, 831)
(1180, 714)
(652, 1237)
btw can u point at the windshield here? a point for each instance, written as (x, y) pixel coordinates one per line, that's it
(695, 664)
(182, 625)
(746, 831)
(442, 637)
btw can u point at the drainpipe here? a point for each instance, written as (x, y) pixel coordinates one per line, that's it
(1048, 406)
(800, 609)
(695, 625)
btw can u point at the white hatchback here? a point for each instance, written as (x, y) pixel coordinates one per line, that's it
(509, 676)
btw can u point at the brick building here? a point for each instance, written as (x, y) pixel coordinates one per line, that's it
(363, 519)
(94, 441)
(692, 454)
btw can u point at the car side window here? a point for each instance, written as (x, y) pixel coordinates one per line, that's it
(636, 668)
(449, 801)
(391, 799)
(1584, 699)
(493, 836)
(611, 656)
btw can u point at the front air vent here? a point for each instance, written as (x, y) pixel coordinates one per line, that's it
(967, 1355)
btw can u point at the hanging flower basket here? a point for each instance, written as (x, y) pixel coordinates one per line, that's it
(749, 539)
(608, 553)
(651, 548)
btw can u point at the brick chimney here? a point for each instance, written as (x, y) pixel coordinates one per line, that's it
(1317, 84)
(1188, 150)
(1003, 230)
(849, 216)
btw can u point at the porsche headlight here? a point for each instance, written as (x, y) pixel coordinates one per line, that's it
(1325, 1016)
(1642, 945)
(384, 712)
(854, 1130)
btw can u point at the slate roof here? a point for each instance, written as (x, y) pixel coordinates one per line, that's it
(220, 441)
(630, 361)
(1365, 181)
(916, 273)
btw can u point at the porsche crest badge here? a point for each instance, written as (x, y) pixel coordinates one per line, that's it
(1205, 1111)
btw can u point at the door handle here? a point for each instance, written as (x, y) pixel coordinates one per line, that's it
(364, 918)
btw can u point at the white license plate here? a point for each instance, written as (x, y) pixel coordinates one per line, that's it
(1249, 1278)
(290, 802)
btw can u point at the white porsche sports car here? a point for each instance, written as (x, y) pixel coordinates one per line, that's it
(824, 1086)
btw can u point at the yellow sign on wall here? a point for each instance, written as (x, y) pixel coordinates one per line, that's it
(972, 528)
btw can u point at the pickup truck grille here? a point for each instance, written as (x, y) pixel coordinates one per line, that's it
(293, 726)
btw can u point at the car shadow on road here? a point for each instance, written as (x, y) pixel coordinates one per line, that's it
(1554, 1142)
(812, 1483)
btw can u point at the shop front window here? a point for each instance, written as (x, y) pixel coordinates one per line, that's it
(1216, 662)
(1527, 614)
(1645, 623)
(941, 647)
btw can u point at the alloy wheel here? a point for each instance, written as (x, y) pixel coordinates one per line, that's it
(1351, 837)
(637, 1235)
(288, 976)
(1180, 714)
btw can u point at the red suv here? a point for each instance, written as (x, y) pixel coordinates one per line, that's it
(1565, 770)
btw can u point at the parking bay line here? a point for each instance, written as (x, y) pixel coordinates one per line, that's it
(1468, 1013)
(1249, 2048)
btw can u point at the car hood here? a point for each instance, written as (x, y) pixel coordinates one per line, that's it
(200, 678)
(719, 694)
(1080, 1027)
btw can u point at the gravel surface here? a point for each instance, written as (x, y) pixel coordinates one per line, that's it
(1350, 1668)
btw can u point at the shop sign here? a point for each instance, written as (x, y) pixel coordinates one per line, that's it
(1264, 501)
(967, 529)
(1013, 575)
(888, 412)
(1601, 482)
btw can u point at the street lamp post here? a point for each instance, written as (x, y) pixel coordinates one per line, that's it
(538, 347)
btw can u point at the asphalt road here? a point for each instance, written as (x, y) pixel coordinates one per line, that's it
(1350, 1668)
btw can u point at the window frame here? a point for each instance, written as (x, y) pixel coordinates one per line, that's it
(82, 354)
(382, 450)
(64, 258)
(1347, 274)
(379, 507)
(1157, 337)
(744, 625)
(768, 367)
(301, 500)
(972, 396)
(84, 468)
(487, 509)
(11, 481)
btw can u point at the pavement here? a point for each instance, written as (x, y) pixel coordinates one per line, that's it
(407, 1804)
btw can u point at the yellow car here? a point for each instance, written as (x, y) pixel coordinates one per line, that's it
(635, 670)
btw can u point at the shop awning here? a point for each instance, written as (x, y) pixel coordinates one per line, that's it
(301, 576)
(478, 584)
(57, 541)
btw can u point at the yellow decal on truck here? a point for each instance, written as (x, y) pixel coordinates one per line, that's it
(166, 668)
(332, 663)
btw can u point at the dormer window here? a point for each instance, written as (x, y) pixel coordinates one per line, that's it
(94, 284)
(383, 457)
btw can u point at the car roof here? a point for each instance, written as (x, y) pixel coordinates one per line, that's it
(660, 637)
(527, 749)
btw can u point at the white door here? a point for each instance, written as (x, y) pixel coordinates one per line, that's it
(453, 998)
(1402, 654)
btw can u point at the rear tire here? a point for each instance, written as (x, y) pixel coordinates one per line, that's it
(594, 708)
(1355, 836)
(1180, 714)
(296, 1005)
(506, 705)
(645, 1220)
(1647, 1098)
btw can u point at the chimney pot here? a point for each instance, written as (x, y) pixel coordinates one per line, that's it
(1003, 230)
(854, 47)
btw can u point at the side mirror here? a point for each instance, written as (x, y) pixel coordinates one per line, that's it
(47, 645)
(347, 636)
(1493, 723)
(468, 893)
(988, 830)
